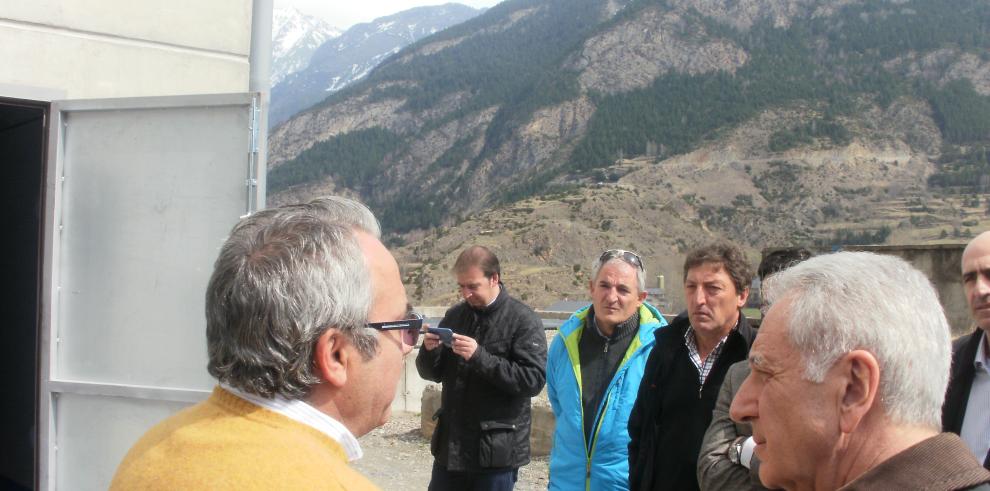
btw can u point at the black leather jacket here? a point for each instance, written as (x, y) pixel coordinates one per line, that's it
(484, 419)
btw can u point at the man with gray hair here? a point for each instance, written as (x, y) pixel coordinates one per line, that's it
(848, 376)
(307, 325)
(594, 368)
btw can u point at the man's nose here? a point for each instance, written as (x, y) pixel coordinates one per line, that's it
(744, 406)
(699, 296)
(982, 285)
(613, 295)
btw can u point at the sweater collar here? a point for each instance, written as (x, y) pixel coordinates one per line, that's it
(622, 329)
(308, 415)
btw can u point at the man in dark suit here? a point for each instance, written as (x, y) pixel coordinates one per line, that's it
(966, 410)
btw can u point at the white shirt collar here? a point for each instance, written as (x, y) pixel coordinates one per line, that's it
(981, 361)
(496, 296)
(308, 415)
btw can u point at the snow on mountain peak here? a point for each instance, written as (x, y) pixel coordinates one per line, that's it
(295, 37)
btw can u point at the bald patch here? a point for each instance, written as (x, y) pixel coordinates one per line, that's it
(980, 246)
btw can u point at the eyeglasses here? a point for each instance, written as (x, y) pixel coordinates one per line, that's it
(410, 328)
(629, 257)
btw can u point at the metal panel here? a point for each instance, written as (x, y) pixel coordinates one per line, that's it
(141, 194)
(94, 434)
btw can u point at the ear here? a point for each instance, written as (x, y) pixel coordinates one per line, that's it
(859, 378)
(495, 279)
(591, 288)
(331, 357)
(742, 298)
(642, 296)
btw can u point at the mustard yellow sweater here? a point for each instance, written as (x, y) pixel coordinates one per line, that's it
(226, 442)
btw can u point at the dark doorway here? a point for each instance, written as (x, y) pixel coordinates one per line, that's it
(23, 136)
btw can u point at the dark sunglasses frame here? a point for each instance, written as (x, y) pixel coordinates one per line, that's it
(629, 257)
(410, 328)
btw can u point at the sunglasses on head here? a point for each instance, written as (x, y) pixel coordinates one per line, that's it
(409, 328)
(629, 257)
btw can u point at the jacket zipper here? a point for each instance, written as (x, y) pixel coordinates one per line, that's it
(590, 449)
(601, 415)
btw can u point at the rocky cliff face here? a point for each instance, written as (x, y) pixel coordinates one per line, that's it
(945, 65)
(634, 53)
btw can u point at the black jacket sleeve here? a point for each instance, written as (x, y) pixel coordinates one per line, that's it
(522, 371)
(430, 364)
(637, 421)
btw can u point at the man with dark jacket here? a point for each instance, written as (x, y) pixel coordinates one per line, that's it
(966, 411)
(686, 368)
(493, 366)
(726, 461)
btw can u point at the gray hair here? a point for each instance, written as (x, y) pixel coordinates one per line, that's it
(282, 279)
(597, 264)
(858, 300)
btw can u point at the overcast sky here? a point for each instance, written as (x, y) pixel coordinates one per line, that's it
(345, 13)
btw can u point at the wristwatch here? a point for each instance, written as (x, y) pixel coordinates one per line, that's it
(735, 450)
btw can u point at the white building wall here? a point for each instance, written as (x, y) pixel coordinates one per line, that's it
(118, 48)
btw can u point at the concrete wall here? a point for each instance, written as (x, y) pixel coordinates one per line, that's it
(82, 49)
(941, 263)
(409, 394)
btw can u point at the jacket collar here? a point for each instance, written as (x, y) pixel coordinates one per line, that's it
(960, 380)
(650, 320)
(503, 295)
(939, 462)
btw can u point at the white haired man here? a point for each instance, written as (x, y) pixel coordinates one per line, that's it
(307, 324)
(848, 375)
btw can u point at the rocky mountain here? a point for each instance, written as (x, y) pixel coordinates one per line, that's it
(295, 37)
(551, 129)
(870, 190)
(352, 55)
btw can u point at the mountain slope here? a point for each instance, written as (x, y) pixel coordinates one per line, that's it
(552, 129)
(352, 55)
(536, 95)
(295, 37)
(820, 195)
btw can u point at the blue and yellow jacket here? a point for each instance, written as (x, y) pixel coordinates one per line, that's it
(603, 463)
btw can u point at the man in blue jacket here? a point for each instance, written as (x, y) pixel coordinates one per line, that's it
(594, 369)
